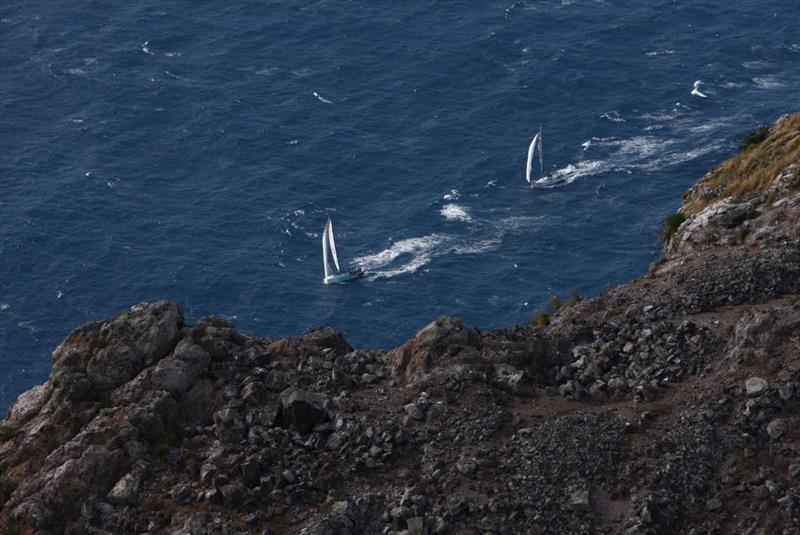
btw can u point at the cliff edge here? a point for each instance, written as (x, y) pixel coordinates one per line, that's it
(669, 404)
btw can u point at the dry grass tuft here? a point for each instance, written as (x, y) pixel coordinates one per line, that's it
(752, 170)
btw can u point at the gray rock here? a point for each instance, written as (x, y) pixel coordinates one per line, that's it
(617, 384)
(414, 411)
(301, 410)
(254, 393)
(229, 425)
(794, 471)
(434, 411)
(755, 386)
(416, 525)
(466, 466)
(28, 404)
(579, 500)
(776, 428)
(339, 508)
(128, 489)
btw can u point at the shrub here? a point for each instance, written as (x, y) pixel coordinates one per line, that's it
(574, 297)
(671, 226)
(6, 433)
(739, 237)
(541, 319)
(754, 138)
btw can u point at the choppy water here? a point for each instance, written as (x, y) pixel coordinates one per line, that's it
(170, 149)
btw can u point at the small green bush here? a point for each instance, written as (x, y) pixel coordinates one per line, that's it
(6, 433)
(554, 303)
(671, 226)
(541, 319)
(754, 138)
(160, 448)
(574, 297)
(741, 234)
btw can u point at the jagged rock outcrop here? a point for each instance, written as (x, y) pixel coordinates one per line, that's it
(669, 404)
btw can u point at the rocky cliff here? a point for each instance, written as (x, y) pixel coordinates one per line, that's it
(669, 404)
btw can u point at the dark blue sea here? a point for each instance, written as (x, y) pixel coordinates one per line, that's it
(192, 150)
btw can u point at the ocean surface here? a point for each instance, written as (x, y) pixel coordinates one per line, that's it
(193, 150)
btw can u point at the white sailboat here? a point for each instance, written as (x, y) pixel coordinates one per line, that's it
(329, 250)
(536, 143)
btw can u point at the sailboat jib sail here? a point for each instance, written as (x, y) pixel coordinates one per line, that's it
(329, 250)
(536, 143)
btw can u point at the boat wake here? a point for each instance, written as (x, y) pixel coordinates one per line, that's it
(411, 254)
(636, 154)
(455, 212)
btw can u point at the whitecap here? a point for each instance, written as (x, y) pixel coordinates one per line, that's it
(321, 98)
(755, 65)
(452, 196)
(613, 116)
(293, 142)
(665, 52)
(4, 306)
(454, 212)
(768, 82)
(678, 157)
(146, 49)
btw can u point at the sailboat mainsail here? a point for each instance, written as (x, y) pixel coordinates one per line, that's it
(535, 143)
(329, 248)
(333, 245)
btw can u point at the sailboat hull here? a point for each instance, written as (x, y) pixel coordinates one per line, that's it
(342, 278)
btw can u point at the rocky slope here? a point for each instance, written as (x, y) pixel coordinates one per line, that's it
(666, 405)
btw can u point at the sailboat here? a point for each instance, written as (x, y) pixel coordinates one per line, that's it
(535, 143)
(329, 249)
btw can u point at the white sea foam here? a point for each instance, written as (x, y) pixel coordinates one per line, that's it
(454, 195)
(146, 49)
(4, 306)
(665, 52)
(613, 116)
(768, 82)
(572, 172)
(674, 158)
(414, 253)
(454, 212)
(321, 98)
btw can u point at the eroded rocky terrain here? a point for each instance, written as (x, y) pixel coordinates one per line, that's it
(666, 405)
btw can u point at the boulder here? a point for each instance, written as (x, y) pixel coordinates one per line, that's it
(301, 410)
(229, 425)
(128, 489)
(755, 386)
(444, 343)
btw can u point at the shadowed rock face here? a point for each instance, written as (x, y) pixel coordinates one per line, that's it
(668, 404)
